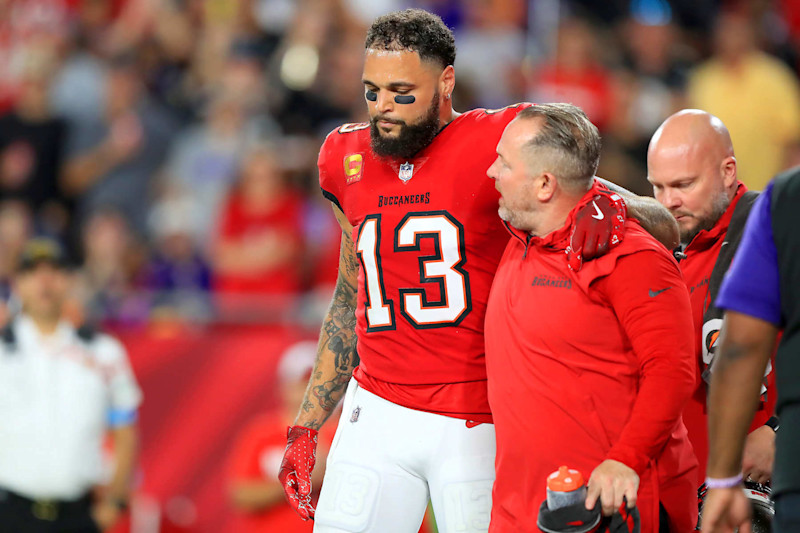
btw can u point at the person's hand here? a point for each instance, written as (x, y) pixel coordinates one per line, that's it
(759, 455)
(724, 510)
(296, 467)
(126, 137)
(610, 482)
(599, 226)
(105, 514)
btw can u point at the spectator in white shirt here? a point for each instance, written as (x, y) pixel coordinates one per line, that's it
(61, 390)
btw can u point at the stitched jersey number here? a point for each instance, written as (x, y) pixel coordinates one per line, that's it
(444, 268)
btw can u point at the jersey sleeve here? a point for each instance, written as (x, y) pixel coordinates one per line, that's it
(340, 161)
(752, 284)
(125, 396)
(327, 181)
(650, 299)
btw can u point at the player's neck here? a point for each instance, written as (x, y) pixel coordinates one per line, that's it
(447, 116)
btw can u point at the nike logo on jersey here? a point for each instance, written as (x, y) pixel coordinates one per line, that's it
(653, 293)
(599, 215)
(471, 424)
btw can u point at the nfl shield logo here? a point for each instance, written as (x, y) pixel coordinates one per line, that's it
(354, 416)
(406, 171)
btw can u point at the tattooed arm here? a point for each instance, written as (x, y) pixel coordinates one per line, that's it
(336, 354)
(654, 217)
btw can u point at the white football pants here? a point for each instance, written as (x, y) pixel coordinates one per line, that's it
(386, 461)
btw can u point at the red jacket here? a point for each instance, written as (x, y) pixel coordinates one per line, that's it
(700, 257)
(589, 366)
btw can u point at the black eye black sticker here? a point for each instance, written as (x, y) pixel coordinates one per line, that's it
(372, 96)
(404, 99)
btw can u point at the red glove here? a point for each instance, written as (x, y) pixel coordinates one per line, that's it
(296, 467)
(599, 226)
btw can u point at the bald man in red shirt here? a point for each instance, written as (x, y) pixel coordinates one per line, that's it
(692, 167)
(590, 368)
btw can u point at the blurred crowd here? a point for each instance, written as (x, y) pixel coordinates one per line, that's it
(171, 145)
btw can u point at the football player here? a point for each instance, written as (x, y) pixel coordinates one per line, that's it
(421, 239)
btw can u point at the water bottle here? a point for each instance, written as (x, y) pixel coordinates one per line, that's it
(565, 487)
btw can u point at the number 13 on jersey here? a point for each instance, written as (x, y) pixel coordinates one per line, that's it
(443, 268)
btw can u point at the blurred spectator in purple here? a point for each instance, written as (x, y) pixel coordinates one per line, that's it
(575, 74)
(177, 275)
(259, 234)
(755, 94)
(112, 160)
(204, 161)
(32, 143)
(109, 281)
(451, 11)
(491, 44)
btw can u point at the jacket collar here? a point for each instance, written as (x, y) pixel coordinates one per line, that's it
(556, 240)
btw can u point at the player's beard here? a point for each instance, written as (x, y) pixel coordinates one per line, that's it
(719, 205)
(412, 137)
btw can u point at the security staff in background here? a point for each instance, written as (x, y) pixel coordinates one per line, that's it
(61, 390)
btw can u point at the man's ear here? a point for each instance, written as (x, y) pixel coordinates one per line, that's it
(728, 168)
(546, 187)
(447, 82)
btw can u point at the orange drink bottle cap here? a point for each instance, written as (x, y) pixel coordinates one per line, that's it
(564, 480)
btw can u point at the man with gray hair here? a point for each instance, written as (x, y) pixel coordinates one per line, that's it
(583, 351)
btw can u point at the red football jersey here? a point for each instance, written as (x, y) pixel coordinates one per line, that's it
(428, 238)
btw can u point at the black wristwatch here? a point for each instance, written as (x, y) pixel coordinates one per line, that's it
(774, 422)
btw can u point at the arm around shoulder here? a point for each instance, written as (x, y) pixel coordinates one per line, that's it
(654, 217)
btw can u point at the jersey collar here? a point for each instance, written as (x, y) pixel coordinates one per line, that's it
(707, 238)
